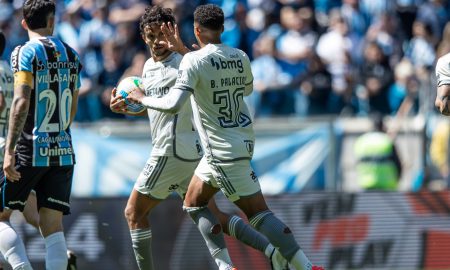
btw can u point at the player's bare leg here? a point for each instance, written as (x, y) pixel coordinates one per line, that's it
(236, 227)
(196, 205)
(136, 212)
(11, 245)
(30, 212)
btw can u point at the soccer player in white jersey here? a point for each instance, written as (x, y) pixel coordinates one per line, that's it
(443, 84)
(176, 146)
(216, 78)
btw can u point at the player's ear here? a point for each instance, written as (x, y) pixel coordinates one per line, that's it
(24, 24)
(51, 22)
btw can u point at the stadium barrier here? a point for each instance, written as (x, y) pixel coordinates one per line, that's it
(372, 230)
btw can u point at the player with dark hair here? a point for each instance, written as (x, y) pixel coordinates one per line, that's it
(176, 147)
(216, 78)
(38, 151)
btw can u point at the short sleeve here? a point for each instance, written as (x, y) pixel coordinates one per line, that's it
(22, 59)
(443, 70)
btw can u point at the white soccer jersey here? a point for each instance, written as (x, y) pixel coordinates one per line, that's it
(443, 70)
(7, 90)
(172, 134)
(218, 77)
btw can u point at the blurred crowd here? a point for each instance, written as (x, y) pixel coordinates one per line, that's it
(309, 57)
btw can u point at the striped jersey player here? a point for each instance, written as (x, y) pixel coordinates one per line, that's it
(46, 138)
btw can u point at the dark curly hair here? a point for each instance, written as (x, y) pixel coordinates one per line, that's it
(156, 15)
(209, 16)
(35, 12)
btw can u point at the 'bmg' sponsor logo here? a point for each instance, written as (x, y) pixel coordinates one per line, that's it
(227, 64)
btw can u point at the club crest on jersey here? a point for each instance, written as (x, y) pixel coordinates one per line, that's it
(250, 146)
(56, 54)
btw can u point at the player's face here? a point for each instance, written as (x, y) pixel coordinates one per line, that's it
(156, 41)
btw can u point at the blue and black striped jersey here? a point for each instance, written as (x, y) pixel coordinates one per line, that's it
(46, 139)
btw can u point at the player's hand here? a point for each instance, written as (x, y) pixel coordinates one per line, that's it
(442, 99)
(9, 168)
(442, 104)
(173, 39)
(136, 96)
(117, 103)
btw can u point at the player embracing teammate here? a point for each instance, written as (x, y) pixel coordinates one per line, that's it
(213, 82)
(176, 148)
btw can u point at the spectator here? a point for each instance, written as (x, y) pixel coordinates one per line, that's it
(315, 85)
(386, 33)
(266, 73)
(378, 163)
(336, 57)
(92, 35)
(403, 93)
(376, 77)
(434, 14)
(420, 49)
(112, 71)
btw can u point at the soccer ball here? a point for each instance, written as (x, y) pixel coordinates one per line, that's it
(127, 85)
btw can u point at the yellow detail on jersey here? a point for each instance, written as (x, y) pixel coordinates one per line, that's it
(23, 77)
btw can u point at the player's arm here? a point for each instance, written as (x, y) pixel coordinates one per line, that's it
(442, 102)
(23, 81)
(172, 35)
(170, 103)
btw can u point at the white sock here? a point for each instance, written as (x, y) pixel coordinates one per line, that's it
(56, 255)
(300, 261)
(223, 260)
(12, 247)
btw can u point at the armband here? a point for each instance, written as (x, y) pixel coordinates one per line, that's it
(23, 77)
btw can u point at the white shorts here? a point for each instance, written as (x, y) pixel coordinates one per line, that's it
(163, 175)
(236, 179)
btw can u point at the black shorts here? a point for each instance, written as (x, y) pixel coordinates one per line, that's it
(51, 184)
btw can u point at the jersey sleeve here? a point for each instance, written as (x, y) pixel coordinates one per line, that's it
(187, 74)
(443, 70)
(22, 59)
